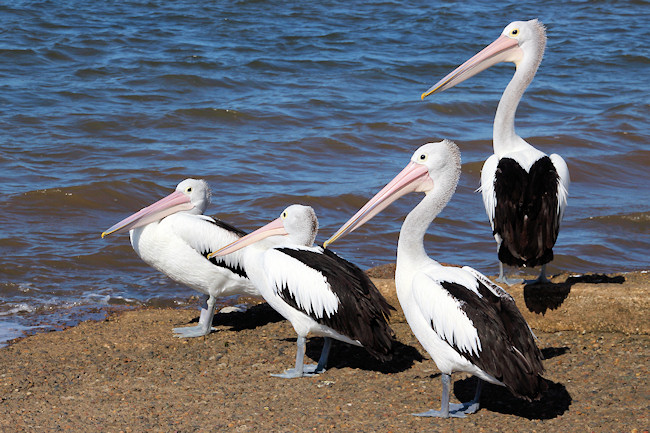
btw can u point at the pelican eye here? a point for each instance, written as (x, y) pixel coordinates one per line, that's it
(514, 32)
(284, 215)
(423, 157)
(188, 189)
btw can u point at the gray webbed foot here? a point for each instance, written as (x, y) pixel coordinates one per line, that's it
(192, 331)
(308, 370)
(205, 323)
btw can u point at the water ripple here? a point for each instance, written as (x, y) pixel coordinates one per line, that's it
(107, 106)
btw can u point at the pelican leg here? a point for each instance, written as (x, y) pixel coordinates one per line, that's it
(500, 278)
(205, 322)
(451, 409)
(541, 279)
(299, 370)
(505, 280)
(322, 361)
(472, 406)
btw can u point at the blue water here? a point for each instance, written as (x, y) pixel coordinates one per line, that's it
(105, 107)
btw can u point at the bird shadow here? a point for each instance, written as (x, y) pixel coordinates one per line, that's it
(254, 317)
(541, 297)
(553, 402)
(552, 352)
(343, 355)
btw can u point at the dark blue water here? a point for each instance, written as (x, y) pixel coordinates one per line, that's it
(105, 107)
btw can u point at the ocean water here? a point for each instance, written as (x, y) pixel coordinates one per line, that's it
(106, 106)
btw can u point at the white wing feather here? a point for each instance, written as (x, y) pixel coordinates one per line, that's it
(563, 184)
(488, 173)
(444, 313)
(200, 233)
(494, 288)
(309, 287)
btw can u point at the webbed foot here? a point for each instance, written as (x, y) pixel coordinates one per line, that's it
(293, 373)
(192, 331)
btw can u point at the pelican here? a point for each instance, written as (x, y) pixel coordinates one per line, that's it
(173, 236)
(524, 191)
(464, 321)
(320, 293)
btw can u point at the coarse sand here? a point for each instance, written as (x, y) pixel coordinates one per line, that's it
(128, 373)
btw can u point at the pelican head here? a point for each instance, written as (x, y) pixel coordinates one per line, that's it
(191, 195)
(297, 222)
(432, 167)
(520, 41)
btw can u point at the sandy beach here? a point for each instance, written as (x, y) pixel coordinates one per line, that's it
(128, 373)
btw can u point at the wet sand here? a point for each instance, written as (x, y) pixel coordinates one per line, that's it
(128, 373)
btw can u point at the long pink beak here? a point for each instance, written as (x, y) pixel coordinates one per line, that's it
(174, 202)
(504, 49)
(410, 179)
(275, 227)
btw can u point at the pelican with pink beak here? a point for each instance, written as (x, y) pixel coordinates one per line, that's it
(173, 236)
(321, 294)
(524, 191)
(464, 321)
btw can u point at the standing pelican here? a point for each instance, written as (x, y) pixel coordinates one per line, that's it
(320, 293)
(463, 321)
(173, 236)
(524, 191)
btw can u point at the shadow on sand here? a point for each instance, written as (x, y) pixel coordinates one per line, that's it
(552, 352)
(541, 297)
(343, 355)
(553, 403)
(254, 317)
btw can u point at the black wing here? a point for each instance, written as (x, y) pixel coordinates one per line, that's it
(508, 349)
(363, 311)
(526, 212)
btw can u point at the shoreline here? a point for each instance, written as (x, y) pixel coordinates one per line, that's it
(127, 372)
(63, 317)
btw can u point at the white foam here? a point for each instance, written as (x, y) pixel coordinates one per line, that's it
(17, 308)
